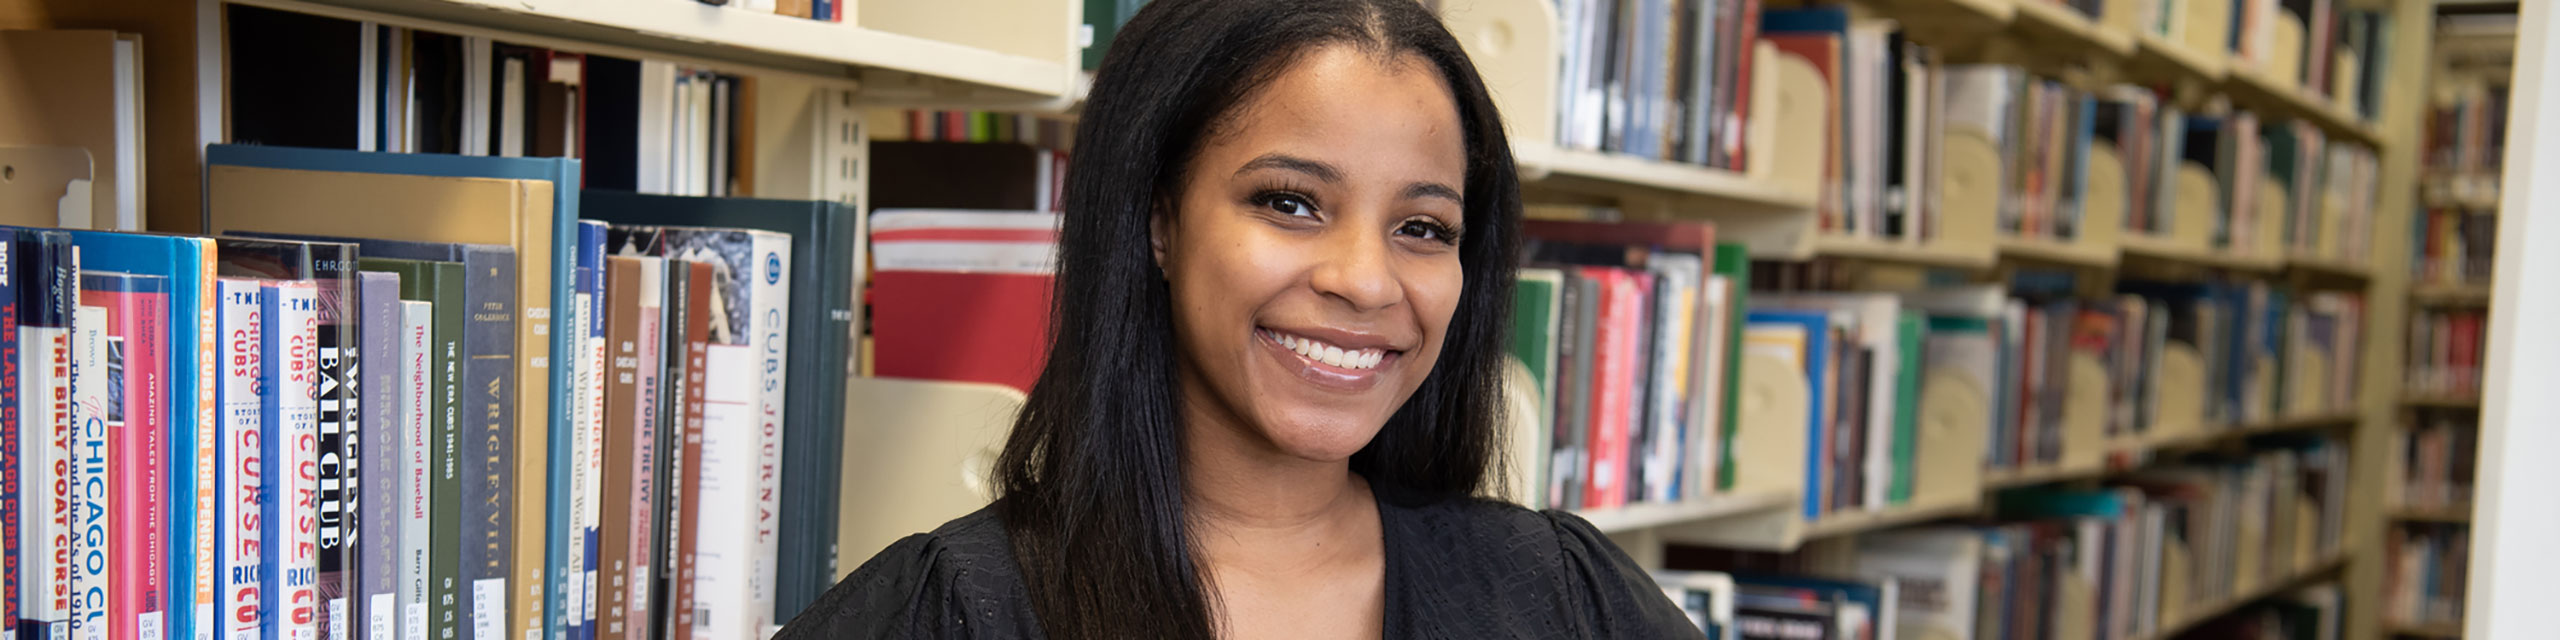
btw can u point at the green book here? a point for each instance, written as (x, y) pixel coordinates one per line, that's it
(1536, 308)
(1909, 331)
(1733, 262)
(440, 283)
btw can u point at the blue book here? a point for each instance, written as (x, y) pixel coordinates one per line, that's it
(591, 373)
(191, 421)
(565, 176)
(1817, 328)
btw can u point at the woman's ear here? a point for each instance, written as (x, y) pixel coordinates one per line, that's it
(1159, 231)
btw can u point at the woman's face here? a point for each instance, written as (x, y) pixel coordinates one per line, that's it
(1312, 252)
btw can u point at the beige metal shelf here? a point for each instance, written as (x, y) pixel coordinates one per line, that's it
(2313, 574)
(1593, 171)
(2449, 631)
(2450, 295)
(1914, 253)
(2442, 401)
(2258, 89)
(1650, 515)
(2058, 252)
(2460, 514)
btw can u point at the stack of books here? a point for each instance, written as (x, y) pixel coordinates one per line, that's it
(2447, 348)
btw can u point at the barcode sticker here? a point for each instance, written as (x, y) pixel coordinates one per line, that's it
(414, 622)
(147, 626)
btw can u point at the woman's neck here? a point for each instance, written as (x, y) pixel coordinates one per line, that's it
(1253, 506)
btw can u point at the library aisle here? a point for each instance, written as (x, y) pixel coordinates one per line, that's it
(1856, 319)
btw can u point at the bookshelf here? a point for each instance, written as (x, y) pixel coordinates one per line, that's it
(2459, 514)
(1020, 54)
(2324, 569)
(2450, 295)
(2444, 631)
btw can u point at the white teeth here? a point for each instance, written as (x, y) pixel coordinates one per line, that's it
(1331, 355)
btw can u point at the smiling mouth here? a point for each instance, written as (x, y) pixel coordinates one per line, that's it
(1325, 364)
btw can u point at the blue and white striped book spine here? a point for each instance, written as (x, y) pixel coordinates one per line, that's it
(591, 372)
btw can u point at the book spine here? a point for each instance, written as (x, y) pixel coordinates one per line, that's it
(337, 333)
(813, 442)
(417, 522)
(242, 458)
(11, 413)
(622, 382)
(45, 397)
(488, 384)
(770, 333)
(92, 496)
(684, 462)
(289, 383)
(444, 460)
(139, 326)
(197, 461)
(377, 378)
(586, 402)
(645, 439)
(726, 498)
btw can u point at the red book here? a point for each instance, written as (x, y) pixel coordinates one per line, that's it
(1737, 128)
(685, 491)
(137, 345)
(1613, 346)
(966, 327)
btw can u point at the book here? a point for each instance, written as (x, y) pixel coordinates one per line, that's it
(48, 301)
(587, 497)
(692, 296)
(93, 505)
(330, 267)
(242, 478)
(137, 377)
(1536, 303)
(1804, 339)
(646, 442)
(1938, 575)
(622, 431)
(507, 209)
(382, 433)
(289, 389)
(417, 437)
(12, 283)
(826, 247)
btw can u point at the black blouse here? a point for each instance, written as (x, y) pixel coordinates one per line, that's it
(1458, 569)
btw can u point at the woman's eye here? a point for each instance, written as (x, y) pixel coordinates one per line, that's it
(1287, 204)
(1427, 230)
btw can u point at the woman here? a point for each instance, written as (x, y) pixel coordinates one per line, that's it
(1274, 391)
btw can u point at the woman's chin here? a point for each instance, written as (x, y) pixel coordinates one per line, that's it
(1322, 436)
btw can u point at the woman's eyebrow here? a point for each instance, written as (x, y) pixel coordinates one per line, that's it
(1286, 162)
(1420, 190)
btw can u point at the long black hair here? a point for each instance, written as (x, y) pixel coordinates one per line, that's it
(1090, 482)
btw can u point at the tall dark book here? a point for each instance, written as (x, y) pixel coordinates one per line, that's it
(488, 422)
(332, 265)
(826, 246)
(690, 287)
(441, 283)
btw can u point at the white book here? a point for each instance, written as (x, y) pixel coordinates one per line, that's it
(417, 323)
(645, 458)
(90, 503)
(510, 120)
(237, 455)
(591, 372)
(1939, 569)
(288, 375)
(698, 136)
(44, 449)
(725, 521)
(770, 334)
(657, 121)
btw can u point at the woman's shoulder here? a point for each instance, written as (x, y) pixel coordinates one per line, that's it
(958, 581)
(1501, 569)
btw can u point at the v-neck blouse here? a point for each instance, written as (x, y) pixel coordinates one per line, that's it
(1461, 568)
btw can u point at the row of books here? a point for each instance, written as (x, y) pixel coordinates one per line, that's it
(1626, 333)
(2155, 547)
(1881, 145)
(2327, 186)
(1741, 605)
(556, 409)
(2329, 48)
(2447, 348)
(2454, 246)
(2466, 127)
(641, 125)
(1656, 78)
(928, 125)
(820, 10)
(2427, 574)
(2436, 462)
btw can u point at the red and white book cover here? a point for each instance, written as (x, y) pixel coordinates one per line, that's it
(291, 382)
(92, 498)
(240, 461)
(137, 359)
